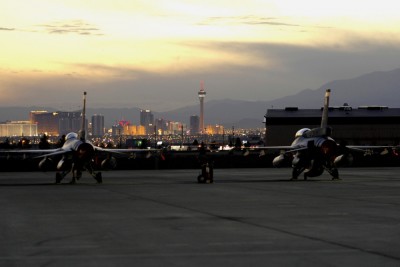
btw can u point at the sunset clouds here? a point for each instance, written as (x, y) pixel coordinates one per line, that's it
(267, 48)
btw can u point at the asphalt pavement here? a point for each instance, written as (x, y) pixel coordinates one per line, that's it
(247, 217)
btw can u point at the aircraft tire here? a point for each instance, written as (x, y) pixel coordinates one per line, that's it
(58, 177)
(99, 178)
(201, 179)
(78, 174)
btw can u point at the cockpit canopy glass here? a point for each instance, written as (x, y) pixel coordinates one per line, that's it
(71, 136)
(301, 132)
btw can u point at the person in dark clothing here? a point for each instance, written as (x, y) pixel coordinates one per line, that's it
(207, 172)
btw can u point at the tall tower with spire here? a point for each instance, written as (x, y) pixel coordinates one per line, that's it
(202, 94)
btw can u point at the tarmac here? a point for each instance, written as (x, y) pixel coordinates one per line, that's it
(247, 217)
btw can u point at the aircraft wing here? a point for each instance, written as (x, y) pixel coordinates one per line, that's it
(276, 147)
(43, 152)
(124, 150)
(285, 149)
(53, 152)
(368, 148)
(33, 151)
(57, 152)
(289, 149)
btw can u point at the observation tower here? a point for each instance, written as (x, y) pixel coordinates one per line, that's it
(202, 94)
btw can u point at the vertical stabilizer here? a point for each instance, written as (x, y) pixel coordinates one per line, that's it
(82, 132)
(324, 120)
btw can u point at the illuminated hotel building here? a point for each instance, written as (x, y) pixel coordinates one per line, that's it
(134, 130)
(214, 129)
(18, 128)
(56, 123)
(47, 122)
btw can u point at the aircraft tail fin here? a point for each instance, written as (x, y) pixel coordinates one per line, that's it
(324, 120)
(324, 130)
(82, 132)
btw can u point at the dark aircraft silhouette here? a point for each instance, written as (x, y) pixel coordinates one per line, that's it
(314, 150)
(78, 154)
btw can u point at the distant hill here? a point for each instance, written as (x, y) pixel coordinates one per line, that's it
(376, 88)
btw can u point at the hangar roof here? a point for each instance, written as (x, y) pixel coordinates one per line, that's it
(336, 115)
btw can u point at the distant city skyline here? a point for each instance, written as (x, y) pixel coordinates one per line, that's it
(153, 54)
(360, 91)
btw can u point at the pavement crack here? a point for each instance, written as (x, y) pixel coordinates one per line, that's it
(243, 221)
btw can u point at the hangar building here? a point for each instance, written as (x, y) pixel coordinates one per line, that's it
(365, 125)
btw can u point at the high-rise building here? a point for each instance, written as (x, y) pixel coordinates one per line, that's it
(147, 120)
(34, 113)
(161, 126)
(175, 127)
(97, 125)
(47, 122)
(146, 117)
(117, 130)
(202, 95)
(194, 124)
(56, 123)
(69, 121)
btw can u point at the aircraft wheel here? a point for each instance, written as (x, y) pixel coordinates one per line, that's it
(99, 178)
(201, 179)
(78, 174)
(58, 177)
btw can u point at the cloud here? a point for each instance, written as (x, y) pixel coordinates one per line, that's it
(7, 29)
(106, 72)
(290, 69)
(71, 27)
(249, 20)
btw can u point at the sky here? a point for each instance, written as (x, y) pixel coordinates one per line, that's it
(154, 54)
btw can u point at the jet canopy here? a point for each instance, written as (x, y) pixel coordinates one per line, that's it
(71, 136)
(301, 132)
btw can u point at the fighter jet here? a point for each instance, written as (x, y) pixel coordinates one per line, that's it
(78, 154)
(313, 150)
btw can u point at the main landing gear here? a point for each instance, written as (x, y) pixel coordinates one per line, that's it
(77, 174)
(207, 174)
(314, 171)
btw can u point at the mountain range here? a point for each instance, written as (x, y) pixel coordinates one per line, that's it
(376, 88)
